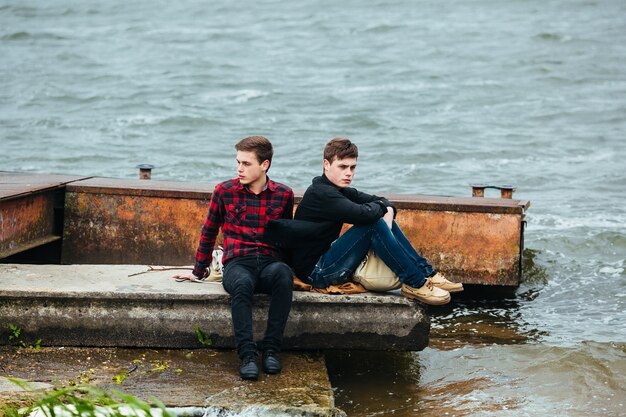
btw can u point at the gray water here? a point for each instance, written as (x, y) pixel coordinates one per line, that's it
(437, 94)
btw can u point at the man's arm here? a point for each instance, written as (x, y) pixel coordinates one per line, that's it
(388, 217)
(288, 210)
(336, 206)
(210, 229)
(361, 197)
(208, 235)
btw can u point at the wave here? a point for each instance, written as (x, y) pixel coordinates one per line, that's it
(22, 35)
(598, 222)
(382, 28)
(243, 96)
(588, 378)
(554, 37)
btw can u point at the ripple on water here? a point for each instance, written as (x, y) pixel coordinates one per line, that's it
(531, 379)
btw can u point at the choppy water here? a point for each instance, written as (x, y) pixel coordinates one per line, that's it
(438, 94)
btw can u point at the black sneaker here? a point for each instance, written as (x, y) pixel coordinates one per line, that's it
(271, 362)
(248, 368)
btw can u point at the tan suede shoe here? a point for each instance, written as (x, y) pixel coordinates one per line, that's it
(440, 281)
(427, 293)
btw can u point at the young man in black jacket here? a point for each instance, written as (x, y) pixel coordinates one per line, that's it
(321, 258)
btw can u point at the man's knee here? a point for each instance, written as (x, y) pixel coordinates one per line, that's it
(279, 273)
(238, 280)
(381, 222)
(381, 226)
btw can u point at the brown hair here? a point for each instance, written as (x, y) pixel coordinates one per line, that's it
(260, 145)
(340, 148)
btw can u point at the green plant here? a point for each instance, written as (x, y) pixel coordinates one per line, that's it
(86, 401)
(84, 377)
(120, 377)
(15, 333)
(159, 365)
(202, 338)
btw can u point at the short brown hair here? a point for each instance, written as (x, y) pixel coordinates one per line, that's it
(260, 145)
(340, 148)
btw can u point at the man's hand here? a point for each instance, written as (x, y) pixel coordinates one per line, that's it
(186, 277)
(388, 217)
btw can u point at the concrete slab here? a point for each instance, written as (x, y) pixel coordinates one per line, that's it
(202, 378)
(108, 305)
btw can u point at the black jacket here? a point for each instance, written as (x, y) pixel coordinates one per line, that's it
(321, 213)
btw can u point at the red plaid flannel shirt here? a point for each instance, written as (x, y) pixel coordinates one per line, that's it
(242, 215)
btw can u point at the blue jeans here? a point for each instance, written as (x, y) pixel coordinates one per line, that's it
(250, 274)
(338, 264)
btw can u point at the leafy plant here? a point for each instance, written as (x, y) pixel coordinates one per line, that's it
(15, 333)
(82, 378)
(159, 365)
(86, 400)
(202, 338)
(120, 377)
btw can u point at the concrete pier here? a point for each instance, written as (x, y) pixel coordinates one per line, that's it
(110, 305)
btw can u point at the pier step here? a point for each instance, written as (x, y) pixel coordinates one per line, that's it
(190, 382)
(108, 305)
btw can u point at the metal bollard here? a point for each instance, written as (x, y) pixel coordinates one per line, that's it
(478, 190)
(145, 171)
(506, 191)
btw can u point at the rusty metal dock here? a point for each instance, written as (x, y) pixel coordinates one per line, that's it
(92, 232)
(473, 240)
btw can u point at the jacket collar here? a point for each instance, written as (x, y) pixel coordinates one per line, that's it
(323, 179)
(269, 185)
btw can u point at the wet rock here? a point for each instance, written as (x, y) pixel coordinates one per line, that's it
(201, 378)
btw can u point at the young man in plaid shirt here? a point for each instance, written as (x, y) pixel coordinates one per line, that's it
(242, 207)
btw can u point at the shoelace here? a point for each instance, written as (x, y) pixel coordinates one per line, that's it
(249, 359)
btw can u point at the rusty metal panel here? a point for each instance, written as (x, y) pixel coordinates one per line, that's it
(26, 222)
(28, 204)
(129, 229)
(472, 240)
(129, 221)
(473, 248)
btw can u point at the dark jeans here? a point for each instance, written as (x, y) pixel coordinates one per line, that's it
(339, 262)
(250, 274)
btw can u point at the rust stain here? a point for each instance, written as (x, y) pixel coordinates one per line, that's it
(477, 248)
(121, 229)
(472, 248)
(468, 246)
(472, 240)
(25, 220)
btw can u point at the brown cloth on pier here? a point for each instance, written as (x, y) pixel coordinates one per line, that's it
(348, 287)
